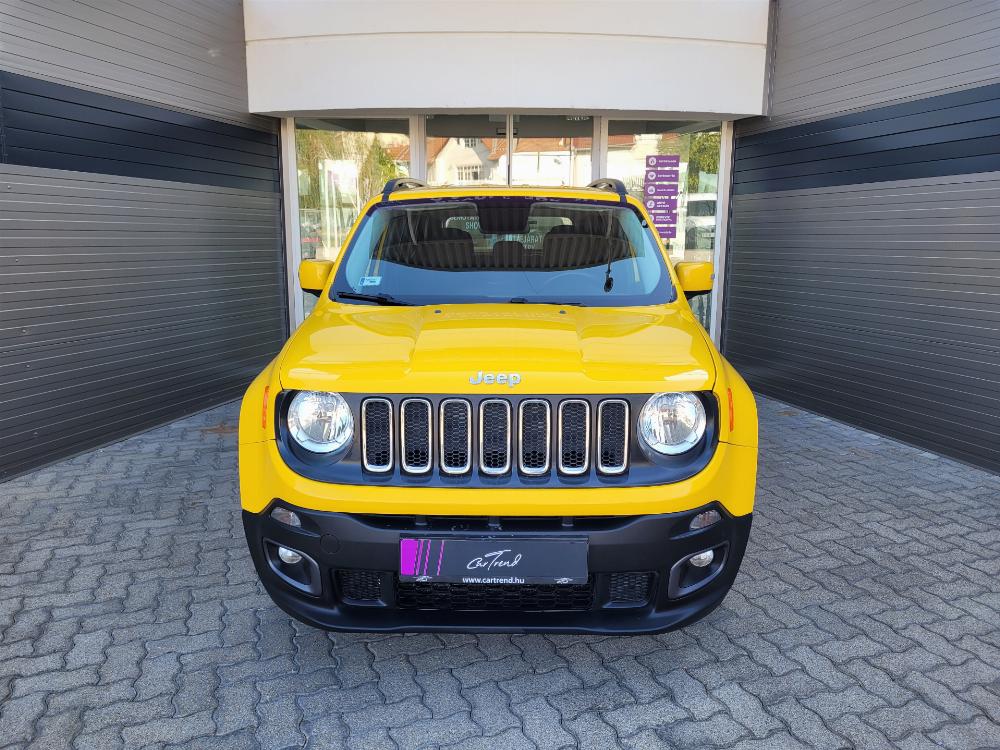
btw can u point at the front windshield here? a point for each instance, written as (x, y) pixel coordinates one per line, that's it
(503, 249)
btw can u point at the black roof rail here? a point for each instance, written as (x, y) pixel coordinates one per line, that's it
(615, 186)
(401, 183)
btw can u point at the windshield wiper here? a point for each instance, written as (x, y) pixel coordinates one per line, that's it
(378, 299)
(525, 301)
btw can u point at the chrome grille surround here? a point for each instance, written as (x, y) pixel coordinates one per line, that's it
(602, 436)
(452, 410)
(369, 436)
(574, 459)
(524, 439)
(456, 435)
(420, 440)
(494, 447)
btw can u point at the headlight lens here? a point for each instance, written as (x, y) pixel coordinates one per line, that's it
(320, 422)
(672, 423)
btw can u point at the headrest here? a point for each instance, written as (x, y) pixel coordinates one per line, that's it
(508, 246)
(446, 234)
(561, 229)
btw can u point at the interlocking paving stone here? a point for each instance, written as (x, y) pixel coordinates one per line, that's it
(867, 615)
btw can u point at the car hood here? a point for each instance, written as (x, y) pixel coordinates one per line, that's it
(366, 349)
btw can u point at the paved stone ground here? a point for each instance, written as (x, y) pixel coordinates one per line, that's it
(866, 615)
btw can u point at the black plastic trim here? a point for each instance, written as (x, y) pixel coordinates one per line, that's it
(620, 544)
(400, 183)
(609, 183)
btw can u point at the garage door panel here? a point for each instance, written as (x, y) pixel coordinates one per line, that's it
(863, 269)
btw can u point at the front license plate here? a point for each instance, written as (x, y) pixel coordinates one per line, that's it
(493, 560)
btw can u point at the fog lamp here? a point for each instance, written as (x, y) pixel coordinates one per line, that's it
(702, 559)
(287, 517)
(705, 519)
(292, 557)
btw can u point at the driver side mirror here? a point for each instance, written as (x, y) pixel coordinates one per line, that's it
(695, 277)
(313, 275)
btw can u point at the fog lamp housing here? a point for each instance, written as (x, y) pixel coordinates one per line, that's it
(294, 567)
(696, 570)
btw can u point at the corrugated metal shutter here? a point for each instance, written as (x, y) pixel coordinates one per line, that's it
(141, 266)
(864, 270)
(186, 55)
(835, 57)
(126, 302)
(45, 124)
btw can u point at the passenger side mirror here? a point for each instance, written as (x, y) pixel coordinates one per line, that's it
(695, 277)
(313, 275)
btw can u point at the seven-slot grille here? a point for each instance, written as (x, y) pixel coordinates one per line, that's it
(544, 435)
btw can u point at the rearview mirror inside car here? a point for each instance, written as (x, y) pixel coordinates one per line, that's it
(313, 275)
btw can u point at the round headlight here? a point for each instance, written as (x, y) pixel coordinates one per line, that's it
(320, 422)
(672, 423)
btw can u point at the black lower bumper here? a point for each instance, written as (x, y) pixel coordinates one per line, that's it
(641, 580)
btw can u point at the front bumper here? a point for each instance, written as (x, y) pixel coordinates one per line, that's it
(640, 581)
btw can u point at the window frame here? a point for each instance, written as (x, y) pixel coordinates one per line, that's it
(418, 169)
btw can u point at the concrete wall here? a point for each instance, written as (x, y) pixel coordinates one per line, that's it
(836, 57)
(423, 55)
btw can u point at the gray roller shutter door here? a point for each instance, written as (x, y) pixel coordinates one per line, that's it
(863, 272)
(127, 302)
(141, 266)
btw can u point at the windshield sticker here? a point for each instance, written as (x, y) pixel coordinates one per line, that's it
(371, 280)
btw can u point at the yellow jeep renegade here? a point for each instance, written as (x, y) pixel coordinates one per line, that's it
(501, 416)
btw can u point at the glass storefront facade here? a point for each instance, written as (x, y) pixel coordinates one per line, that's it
(688, 228)
(341, 164)
(673, 166)
(552, 150)
(466, 149)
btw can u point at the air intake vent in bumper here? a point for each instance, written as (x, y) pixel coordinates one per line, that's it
(629, 589)
(494, 597)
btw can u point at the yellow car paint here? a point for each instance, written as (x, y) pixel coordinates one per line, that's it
(567, 350)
